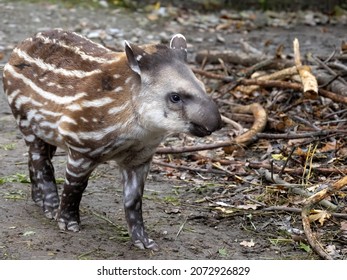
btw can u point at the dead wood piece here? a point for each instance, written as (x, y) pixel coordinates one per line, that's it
(234, 124)
(310, 202)
(260, 119)
(309, 81)
(331, 82)
(295, 86)
(278, 75)
(213, 75)
(178, 150)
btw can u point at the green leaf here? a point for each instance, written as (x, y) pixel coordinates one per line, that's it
(223, 252)
(305, 247)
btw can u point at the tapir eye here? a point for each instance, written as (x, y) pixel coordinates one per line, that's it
(175, 97)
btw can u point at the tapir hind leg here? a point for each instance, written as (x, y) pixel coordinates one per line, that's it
(43, 186)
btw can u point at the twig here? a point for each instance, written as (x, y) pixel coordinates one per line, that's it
(310, 202)
(299, 210)
(182, 167)
(286, 162)
(250, 70)
(279, 75)
(181, 227)
(293, 189)
(188, 149)
(290, 135)
(213, 75)
(331, 71)
(234, 124)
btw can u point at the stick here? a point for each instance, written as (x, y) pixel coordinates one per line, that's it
(309, 82)
(290, 135)
(182, 167)
(275, 178)
(298, 210)
(260, 120)
(310, 202)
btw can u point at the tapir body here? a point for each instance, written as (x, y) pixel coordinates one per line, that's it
(69, 92)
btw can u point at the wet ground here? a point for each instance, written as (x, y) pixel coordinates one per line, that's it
(183, 228)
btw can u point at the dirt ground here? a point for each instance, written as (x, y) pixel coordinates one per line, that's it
(182, 227)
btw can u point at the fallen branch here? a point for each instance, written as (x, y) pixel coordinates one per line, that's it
(309, 81)
(260, 119)
(310, 202)
(213, 75)
(289, 135)
(279, 75)
(295, 86)
(182, 167)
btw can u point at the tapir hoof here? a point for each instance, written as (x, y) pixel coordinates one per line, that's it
(146, 244)
(71, 225)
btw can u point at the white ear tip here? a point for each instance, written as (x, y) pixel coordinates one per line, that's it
(174, 37)
(179, 35)
(126, 43)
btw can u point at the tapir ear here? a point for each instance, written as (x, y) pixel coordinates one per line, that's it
(178, 42)
(133, 57)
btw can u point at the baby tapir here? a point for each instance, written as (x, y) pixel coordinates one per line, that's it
(69, 92)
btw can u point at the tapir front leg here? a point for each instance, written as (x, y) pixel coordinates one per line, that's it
(133, 184)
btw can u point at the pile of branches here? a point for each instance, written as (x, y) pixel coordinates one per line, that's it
(300, 100)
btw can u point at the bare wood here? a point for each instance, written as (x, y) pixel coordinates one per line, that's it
(297, 58)
(295, 86)
(333, 83)
(310, 202)
(260, 120)
(279, 75)
(309, 81)
(234, 124)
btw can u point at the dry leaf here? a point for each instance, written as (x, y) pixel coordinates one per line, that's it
(330, 146)
(247, 243)
(224, 210)
(320, 216)
(248, 206)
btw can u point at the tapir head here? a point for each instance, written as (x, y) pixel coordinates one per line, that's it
(172, 99)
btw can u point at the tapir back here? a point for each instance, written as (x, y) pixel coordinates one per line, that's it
(69, 90)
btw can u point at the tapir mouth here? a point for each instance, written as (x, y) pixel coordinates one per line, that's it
(198, 130)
